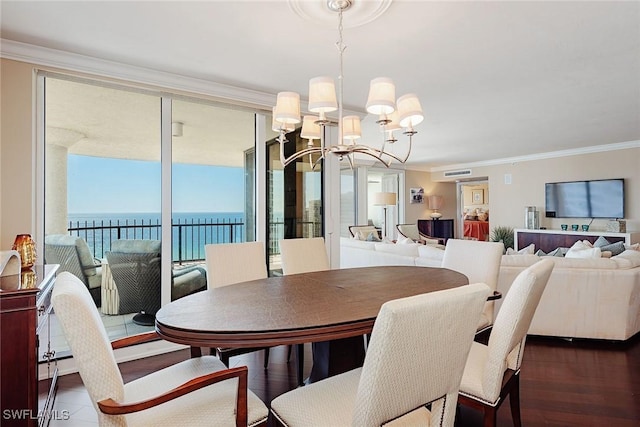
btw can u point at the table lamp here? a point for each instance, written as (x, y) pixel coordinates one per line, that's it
(435, 203)
(384, 199)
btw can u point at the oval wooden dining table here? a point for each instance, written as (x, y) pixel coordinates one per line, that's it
(332, 309)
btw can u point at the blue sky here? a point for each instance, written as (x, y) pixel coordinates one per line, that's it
(101, 185)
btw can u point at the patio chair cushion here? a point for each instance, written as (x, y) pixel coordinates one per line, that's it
(88, 262)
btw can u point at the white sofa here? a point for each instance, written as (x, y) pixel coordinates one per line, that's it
(359, 253)
(585, 298)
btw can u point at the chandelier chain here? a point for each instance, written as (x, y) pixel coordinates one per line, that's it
(341, 47)
(381, 102)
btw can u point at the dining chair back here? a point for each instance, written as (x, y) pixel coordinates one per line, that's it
(231, 263)
(215, 404)
(418, 349)
(493, 370)
(480, 262)
(303, 255)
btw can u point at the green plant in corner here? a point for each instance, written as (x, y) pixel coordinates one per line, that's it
(502, 234)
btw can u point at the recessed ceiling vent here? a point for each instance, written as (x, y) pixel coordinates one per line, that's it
(464, 172)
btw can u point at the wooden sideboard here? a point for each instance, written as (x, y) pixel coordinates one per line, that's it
(24, 312)
(548, 240)
(442, 228)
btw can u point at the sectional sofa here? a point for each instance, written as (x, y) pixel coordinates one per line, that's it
(585, 298)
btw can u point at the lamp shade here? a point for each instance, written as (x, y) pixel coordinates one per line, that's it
(287, 108)
(382, 96)
(310, 130)
(276, 126)
(384, 199)
(435, 202)
(409, 110)
(322, 95)
(351, 127)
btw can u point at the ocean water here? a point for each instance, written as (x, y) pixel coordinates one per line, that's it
(190, 230)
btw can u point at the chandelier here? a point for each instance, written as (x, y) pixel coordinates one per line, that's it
(405, 113)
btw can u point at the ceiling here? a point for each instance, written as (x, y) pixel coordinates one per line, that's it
(496, 79)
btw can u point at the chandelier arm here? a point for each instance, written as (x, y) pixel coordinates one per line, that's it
(375, 153)
(295, 156)
(348, 149)
(322, 136)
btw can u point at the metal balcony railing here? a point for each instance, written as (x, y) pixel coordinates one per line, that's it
(189, 235)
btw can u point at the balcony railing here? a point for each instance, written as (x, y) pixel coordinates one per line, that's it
(189, 235)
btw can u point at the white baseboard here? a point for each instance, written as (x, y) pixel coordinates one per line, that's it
(68, 365)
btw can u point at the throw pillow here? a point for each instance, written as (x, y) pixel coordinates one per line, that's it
(529, 250)
(615, 248)
(558, 252)
(373, 237)
(634, 247)
(402, 240)
(540, 252)
(600, 242)
(582, 250)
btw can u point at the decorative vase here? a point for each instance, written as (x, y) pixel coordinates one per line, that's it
(26, 247)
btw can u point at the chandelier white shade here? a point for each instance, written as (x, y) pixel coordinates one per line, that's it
(288, 108)
(310, 129)
(405, 112)
(322, 95)
(382, 96)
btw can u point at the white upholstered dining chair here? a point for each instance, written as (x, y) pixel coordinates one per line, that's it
(480, 262)
(416, 356)
(195, 392)
(303, 256)
(231, 263)
(493, 371)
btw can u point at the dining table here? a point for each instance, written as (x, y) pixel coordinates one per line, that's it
(332, 309)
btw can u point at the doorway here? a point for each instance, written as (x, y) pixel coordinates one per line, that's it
(473, 209)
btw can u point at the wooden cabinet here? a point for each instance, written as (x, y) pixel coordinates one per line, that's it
(442, 228)
(24, 312)
(548, 240)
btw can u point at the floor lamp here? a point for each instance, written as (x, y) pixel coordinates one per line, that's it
(384, 200)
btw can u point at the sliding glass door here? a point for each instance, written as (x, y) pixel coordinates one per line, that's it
(110, 170)
(294, 197)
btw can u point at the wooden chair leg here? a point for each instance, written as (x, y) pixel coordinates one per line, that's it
(514, 402)
(266, 358)
(300, 363)
(196, 352)
(224, 358)
(490, 416)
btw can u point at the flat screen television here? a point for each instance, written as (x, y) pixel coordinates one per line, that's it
(585, 199)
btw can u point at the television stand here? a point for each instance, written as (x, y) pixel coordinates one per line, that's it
(548, 240)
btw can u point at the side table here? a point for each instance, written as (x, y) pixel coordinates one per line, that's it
(109, 292)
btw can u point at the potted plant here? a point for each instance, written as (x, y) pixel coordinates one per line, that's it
(502, 234)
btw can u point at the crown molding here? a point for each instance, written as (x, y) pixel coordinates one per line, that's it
(63, 60)
(541, 156)
(46, 57)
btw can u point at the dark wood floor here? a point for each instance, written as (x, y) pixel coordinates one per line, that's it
(563, 383)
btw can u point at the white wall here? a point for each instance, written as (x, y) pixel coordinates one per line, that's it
(507, 201)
